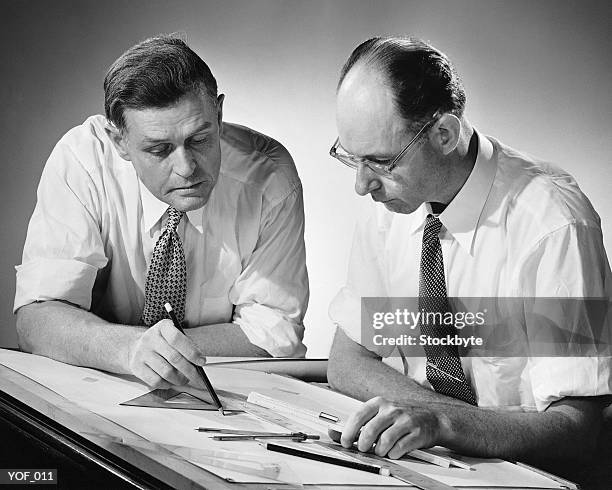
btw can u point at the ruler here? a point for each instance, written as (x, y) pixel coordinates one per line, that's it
(268, 415)
(396, 470)
(282, 406)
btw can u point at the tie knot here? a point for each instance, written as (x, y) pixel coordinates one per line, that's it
(432, 227)
(174, 217)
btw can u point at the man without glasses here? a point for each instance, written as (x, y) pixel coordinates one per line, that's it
(161, 201)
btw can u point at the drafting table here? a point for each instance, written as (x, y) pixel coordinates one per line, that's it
(46, 426)
(46, 432)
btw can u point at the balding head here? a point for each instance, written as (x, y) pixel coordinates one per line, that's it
(400, 122)
(365, 110)
(420, 78)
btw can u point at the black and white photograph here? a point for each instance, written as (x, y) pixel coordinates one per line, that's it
(306, 244)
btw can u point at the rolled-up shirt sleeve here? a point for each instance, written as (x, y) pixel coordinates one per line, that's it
(63, 251)
(570, 265)
(271, 293)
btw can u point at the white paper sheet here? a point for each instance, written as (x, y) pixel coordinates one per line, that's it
(101, 393)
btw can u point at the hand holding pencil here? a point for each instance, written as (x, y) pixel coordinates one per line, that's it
(162, 356)
(199, 370)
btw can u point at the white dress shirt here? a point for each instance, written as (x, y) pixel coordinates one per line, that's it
(95, 226)
(517, 228)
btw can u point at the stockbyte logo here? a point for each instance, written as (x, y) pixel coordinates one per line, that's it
(488, 327)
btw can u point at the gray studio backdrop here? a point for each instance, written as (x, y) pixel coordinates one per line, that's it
(537, 74)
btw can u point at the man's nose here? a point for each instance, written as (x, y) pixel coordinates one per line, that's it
(184, 162)
(366, 181)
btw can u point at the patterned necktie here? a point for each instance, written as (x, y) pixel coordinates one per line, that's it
(443, 370)
(167, 275)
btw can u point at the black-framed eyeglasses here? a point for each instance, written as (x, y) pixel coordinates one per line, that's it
(381, 168)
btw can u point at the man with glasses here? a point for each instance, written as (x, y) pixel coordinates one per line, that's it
(456, 214)
(163, 202)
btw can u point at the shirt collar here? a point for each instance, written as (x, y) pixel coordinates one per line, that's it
(415, 221)
(461, 216)
(153, 210)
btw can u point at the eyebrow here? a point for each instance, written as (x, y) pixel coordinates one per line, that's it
(368, 156)
(203, 127)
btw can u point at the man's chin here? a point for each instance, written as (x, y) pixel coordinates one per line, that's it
(401, 207)
(190, 203)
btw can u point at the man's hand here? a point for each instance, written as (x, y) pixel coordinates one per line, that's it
(394, 429)
(162, 356)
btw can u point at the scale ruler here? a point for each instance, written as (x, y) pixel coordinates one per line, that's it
(268, 415)
(397, 471)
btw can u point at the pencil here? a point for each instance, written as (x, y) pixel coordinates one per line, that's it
(370, 468)
(199, 369)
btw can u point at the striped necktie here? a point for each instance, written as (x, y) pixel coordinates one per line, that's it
(167, 275)
(443, 369)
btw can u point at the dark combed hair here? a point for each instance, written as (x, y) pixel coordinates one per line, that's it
(421, 78)
(154, 73)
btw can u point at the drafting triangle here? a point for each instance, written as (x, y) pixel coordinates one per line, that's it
(171, 398)
(184, 398)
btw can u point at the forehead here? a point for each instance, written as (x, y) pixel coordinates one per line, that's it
(192, 112)
(366, 115)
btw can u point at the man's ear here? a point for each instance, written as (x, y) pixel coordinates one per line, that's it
(220, 100)
(119, 139)
(446, 132)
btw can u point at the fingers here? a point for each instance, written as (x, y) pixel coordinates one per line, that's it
(376, 428)
(392, 429)
(402, 436)
(152, 379)
(358, 419)
(412, 428)
(167, 371)
(404, 445)
(355, 422)
(173, 363)
(181, 343)
(162, 356)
